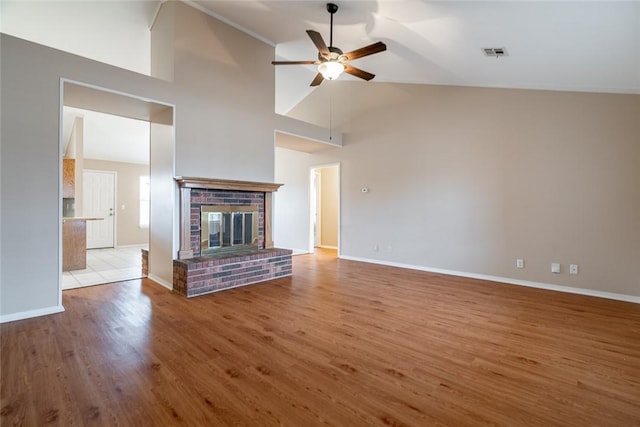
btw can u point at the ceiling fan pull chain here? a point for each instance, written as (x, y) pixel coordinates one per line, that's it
(330, 111)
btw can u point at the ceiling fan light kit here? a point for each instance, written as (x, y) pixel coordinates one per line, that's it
(331, 70)
(331, 61)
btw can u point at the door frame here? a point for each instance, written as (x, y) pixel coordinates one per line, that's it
(164, 252)
(316, 208)
(115, 199)
(312, 171)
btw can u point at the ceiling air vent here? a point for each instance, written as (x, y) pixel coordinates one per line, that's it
(495, 51)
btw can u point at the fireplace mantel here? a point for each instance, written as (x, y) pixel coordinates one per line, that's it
(187, 183)
(226, 184)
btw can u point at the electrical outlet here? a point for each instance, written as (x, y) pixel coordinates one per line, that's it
(555, 267)
(573, 269)
(376, 247)
(519, 263)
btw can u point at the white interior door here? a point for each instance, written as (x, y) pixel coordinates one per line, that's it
(98, 195)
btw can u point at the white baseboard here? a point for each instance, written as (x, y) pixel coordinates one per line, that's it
(294, 251)
(335, 248)
(31, 313)
(507, 280)
(160, 281)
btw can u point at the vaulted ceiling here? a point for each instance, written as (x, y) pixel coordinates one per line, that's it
(591, 46)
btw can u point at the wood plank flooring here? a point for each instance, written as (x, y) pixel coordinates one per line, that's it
(340, 343)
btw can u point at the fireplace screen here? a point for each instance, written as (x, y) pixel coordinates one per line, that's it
(228, 227)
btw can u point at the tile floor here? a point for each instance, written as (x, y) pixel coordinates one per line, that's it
(106, 266)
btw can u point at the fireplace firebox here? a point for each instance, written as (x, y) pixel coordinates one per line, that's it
(228, 228)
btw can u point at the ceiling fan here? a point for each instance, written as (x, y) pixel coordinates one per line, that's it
(331, 61)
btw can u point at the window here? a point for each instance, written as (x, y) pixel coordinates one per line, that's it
(144, 202)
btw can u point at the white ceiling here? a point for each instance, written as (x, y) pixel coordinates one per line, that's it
(591, 46)
(109, 137)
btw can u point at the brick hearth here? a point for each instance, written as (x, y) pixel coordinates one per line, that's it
(199, 275)
(202, 275)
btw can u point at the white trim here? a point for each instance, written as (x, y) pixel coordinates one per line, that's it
(506, 280)
(297, 135)
(327, 247)
(229, 22)
(64, 80)
(312, 170)
(160, 281)
(317, 187)
(295, 252)
(60, 189)
(155, 14)
(31, 313)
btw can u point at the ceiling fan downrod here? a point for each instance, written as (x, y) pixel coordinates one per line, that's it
(331, 8)
(331, 60)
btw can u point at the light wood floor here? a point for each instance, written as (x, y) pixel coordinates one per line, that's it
(341, 343)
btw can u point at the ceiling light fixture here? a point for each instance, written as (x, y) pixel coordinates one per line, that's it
(332, 62)
(331, 70)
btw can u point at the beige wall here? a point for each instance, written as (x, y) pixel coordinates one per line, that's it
(128, 231)
(329, 206)
(224, 81)
(469, 179)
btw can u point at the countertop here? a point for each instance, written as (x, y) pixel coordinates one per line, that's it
(81, 218)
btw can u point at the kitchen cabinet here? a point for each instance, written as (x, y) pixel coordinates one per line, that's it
(74, 244)
(68, 178)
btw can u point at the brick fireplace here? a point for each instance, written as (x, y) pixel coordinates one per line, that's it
(201, 269)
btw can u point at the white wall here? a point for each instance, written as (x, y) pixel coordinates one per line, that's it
(291, 201)
(86, 28)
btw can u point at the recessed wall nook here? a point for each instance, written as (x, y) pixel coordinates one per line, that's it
(225, 236)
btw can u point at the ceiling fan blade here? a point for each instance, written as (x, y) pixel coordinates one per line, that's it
(317, 80)
(349, 69)
(365, 51)
(293, 62)
(317, 39)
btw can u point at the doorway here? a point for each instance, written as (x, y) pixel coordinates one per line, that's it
(325, 207)
(109, 188)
